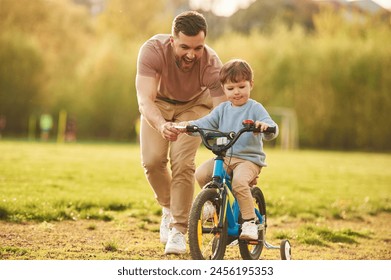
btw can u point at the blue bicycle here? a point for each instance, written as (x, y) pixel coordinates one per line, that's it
(215, 219)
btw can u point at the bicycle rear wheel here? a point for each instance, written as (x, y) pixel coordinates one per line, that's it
(206, 240)
(252, 250)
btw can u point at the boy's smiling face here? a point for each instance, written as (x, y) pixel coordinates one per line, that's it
(238, 93)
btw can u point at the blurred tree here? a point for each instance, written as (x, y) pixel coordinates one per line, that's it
(132, 20)
(20, 79)
(55, 56)
(108, 108)
(262, 15)
(55, 33)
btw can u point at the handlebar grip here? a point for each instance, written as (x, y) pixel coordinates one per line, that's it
(187, 128)
(270, 129)
(192, 128)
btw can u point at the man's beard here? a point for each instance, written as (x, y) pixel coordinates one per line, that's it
(185, 64)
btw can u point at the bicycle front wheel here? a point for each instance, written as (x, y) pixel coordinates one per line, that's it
(206, 240)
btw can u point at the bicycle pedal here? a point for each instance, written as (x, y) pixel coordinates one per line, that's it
(250, 242)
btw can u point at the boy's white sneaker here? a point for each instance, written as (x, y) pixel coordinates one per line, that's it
(165, 225)
(249, 231)
(176, 243)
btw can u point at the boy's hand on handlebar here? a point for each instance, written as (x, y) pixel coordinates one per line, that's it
(261, 125)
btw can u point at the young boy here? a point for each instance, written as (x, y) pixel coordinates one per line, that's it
(247, 158)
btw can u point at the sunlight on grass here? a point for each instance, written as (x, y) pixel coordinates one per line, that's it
(12, 250)
(44, 181)
(48, 181)
(322, 236)
(330, 184)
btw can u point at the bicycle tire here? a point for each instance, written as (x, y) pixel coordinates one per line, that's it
(206, 241)
(247, 250)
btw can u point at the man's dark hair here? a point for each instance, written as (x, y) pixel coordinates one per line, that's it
(189, 23)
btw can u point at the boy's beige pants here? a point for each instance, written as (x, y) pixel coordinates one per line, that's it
(243, 174)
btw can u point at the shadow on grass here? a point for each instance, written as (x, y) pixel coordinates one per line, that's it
(323, 236)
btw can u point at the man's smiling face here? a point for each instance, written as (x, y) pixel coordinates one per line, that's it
(187, 49)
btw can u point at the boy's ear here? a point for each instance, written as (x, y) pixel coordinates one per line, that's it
(252, 84)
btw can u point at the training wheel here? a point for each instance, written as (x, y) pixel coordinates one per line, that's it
(285, 250)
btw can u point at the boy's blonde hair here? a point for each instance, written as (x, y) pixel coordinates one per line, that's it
(236, 70)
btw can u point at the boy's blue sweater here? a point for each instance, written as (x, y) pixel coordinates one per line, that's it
(226, 118)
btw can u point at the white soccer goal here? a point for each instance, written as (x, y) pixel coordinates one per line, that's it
(289, 136)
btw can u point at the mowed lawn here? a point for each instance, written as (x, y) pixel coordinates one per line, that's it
(50, 181)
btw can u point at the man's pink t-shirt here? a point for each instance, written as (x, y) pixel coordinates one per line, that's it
(156, 58)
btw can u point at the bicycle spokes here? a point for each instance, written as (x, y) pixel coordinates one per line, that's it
(206, 239)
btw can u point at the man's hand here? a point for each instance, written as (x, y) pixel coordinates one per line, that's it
(181, 126)
(169, 132)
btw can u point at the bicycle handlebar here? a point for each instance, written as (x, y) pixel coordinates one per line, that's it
(206, 134)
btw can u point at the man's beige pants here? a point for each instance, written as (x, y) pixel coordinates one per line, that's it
(169, 166)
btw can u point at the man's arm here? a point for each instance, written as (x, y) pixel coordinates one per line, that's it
(146, 94)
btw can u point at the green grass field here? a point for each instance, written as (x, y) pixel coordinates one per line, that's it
(330, 205)
(48, 181)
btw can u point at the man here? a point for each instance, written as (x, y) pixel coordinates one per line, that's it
(177, 80)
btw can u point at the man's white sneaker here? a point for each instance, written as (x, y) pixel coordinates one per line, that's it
(165, 225)
(208, 211)
(249, 231)
(176, 243)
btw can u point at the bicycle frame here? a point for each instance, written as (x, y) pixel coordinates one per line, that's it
(231, 208)
(222, 180)
(227, 225)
